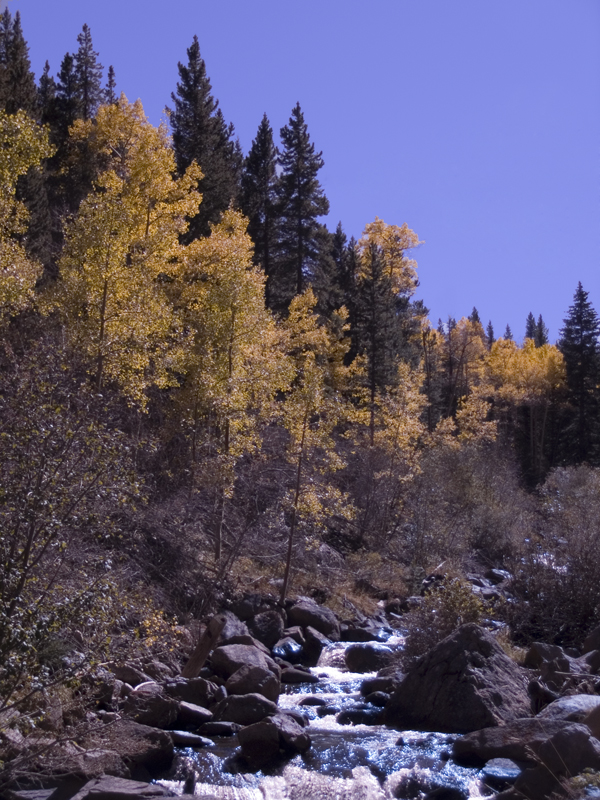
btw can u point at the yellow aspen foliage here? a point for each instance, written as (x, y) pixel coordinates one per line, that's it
(393, 241)
(310, 411)
(525, 374)
(122, 249)
(465, 355)
(23, 144)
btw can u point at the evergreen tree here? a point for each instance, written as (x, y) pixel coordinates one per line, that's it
(258, 198)
(47, 96)
(508, 334)
(490, 338)
(88, 74)
(530, 327)
(541, 333)
(67, 100)
(579, 345)
(301, 202)
(474, 316)
(19, 90)
(201, 134)
(109, 95)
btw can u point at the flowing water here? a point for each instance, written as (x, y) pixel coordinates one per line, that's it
(345, 762)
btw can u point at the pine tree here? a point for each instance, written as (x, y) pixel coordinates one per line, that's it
(474, 316)
(490, 338)
(301, 202)
(579, 345)
(530, 327)
(88, 75)
(258, 198)
(109, 96)
(201, 134)
(67, 100)
(541, 333)
(19, 91)
(508, 334)
(46, 95)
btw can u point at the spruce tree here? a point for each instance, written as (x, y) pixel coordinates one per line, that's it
(489, 332)
(66, 101)
(201, 134)
(258, 199)
(88, 75)
(19, 82)
(474, 316)
(301, 202)
(541, 333)
(109, 96)
(530, 327)
(508, 334)
(46, 96)
(579, 345)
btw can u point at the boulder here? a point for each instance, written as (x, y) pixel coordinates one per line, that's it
(517, 740)
(129, 673)
(252, 604)
(249, 679)
(573, 708)
(267, 627)
(306, 612)
(360, 714)
(233, 626)
(540, 652)
(314, 645)
(219, 729)
(249, 640)
(381, 683)
(192, 715)
(198, 691)
(592, 640)
(368, 657)
(352, 634)
(465, 683)
(288, 650)
(264, 741)
(228, 659)
(245, 709)
(570, 750)
(112, 788)
(294, 675)
(149, 706)
(137, 745)
(187, 739)
(158, 671)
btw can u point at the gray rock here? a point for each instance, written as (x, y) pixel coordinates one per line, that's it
(252, 604)
(129, 673)
(306, 612)
(219, 729)
(293, 675)
(463, 684)
(149, 706)
(368, 657)
(517, 740)
(267, 627)
(233, 626)
(288, 650)
(540, 652)
(315, 643)
(187, 739)
(360, 714)
(228, 659)
(112, 788)
(191, 714)
(137, 745)
(245, 709)
(573, 708)
(570, 750)
(592, 640)
(250, 679)
(198, 691)
(265, 740)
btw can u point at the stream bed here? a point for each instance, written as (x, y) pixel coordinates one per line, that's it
(345, 762)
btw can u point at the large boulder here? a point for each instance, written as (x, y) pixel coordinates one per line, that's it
(516, 740)
(149, 706)
(465, 683)
(306, 612)
(368, 657)
(249, 679)
(266, 740)
(267, 627)
(112, 788)
(572, 707)
(592, 640)
(139, 746)
(245, 709)
(198, 691)
(228, 659)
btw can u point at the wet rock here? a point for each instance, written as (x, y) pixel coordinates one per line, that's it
(464, 683)
(315, 643)
(112, 788)
(517, 740)
(192, 715)
(245, 709)
(379, 699)
(360, 714)
(359, 635)
(251, 679)
(219, 729)
(573, 708)
(187, 739)
(289, 650)
(267, 627)
(328, 711)
(500, 773)
(199, 691)
(313, 700)
(381, 683)
(264, 741)
(368, 657)
(306, 612)
(228, 659)
(294, 675)
(149, 706)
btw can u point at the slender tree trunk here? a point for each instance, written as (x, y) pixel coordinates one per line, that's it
(100, 362)
(288, 562)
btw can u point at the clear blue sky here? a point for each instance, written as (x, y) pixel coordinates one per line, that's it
(476, 122)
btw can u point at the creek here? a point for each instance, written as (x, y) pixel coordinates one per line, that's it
(345, 762)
